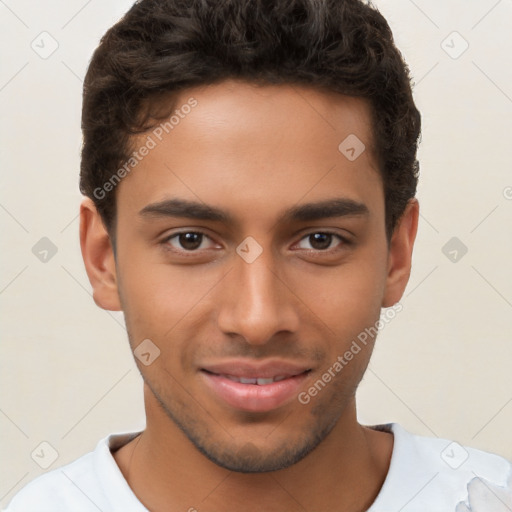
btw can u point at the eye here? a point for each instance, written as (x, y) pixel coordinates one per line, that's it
(189, 241)
(320, 241)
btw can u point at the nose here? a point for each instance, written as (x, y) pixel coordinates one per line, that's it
(256, 302)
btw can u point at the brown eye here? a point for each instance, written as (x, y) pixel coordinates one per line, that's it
(319, 241)
(189, 241)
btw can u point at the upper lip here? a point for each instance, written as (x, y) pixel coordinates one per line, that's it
(265, 370)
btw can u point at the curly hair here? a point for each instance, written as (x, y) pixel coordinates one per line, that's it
(162, 47)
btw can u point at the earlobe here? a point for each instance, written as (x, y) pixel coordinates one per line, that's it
(400, 254)
(98, 257)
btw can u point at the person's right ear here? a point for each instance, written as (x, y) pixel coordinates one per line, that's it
(98, 256)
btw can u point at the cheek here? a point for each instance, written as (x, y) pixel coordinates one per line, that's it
(161, 302)
(347, 298)
(150, 287)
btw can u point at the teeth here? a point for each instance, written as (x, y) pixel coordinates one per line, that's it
(248, 381)
(260, 381)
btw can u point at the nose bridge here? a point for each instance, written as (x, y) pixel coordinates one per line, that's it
(259, 286)
(256, 303)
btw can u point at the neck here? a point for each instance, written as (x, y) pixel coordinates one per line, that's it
(167, 472)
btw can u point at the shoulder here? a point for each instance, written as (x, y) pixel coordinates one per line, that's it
(90, 483)
(444, 474)
(451, 457)
(58, 488)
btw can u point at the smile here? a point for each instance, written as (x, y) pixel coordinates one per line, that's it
(260, 381)
(255, 393)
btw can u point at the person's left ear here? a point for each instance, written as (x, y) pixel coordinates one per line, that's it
(400, 254)
(98, 256)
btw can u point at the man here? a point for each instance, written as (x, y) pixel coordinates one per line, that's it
(250, 172)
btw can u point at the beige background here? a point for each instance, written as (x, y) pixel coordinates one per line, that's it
(442, 367)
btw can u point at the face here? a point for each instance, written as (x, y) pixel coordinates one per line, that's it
(252, 252)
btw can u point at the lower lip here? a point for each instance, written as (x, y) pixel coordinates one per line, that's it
(252, 397)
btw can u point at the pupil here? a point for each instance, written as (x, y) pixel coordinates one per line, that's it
(190, 240)
(320, 240)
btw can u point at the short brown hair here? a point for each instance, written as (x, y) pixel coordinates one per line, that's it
(161, 47)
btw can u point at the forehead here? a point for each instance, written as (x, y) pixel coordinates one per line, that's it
(245, 148)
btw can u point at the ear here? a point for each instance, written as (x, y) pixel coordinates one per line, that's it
(98, 257)
(400, 254)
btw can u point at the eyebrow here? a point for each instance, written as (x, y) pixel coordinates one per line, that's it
(338, 207)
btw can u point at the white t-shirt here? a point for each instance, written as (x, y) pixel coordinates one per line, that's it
(425, 475)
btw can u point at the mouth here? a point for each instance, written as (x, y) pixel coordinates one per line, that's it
(254, 389)
(259, 381)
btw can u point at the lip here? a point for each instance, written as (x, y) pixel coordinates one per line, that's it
(255, 397)
(266, 370)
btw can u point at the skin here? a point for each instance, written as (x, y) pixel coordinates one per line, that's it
(246, 149)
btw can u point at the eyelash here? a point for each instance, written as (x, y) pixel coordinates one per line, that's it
(166, 246)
